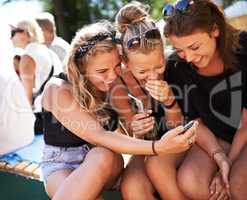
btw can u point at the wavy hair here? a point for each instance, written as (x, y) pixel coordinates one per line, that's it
(33, 29)
(88, 97)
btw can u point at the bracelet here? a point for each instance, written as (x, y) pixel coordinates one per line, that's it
(153, 148)
(171, 105)
(221, 151)
(217, 151)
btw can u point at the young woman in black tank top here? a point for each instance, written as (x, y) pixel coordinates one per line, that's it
(85, 158)
(143, 78)
(208, 69)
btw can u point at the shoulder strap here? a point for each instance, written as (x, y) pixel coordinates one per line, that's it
(47, 79)
(125, 84)
(43, 84)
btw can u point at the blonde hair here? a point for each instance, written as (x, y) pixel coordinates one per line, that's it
(33, 29)
(88, 97)
(133, 20)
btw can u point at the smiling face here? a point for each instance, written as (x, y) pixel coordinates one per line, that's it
(148, 66)
(101, 70)
(198, 48)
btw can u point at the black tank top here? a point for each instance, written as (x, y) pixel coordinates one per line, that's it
(157, 109)
(56, 134)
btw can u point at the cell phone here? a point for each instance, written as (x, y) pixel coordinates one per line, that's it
(187, 127)
(138, 102)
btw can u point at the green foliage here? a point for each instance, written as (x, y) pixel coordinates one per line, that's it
(73, 14)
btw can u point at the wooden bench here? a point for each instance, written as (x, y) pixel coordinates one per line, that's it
(20, 175)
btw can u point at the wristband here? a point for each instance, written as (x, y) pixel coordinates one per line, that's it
(170, 105)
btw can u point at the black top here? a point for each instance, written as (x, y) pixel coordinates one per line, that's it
(217, 100)
(156, 107)
(57, 135)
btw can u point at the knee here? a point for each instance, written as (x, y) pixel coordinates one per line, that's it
(191, 184)
(108, 161)
(186, 180)
(133, 185)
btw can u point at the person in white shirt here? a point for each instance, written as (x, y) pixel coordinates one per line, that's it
(37, 62)
(57, 44)
(17, 119)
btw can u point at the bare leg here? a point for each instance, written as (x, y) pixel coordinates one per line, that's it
(162, 171)
(135, 184)
(196, 173)
(55, 180)
(238, 176)
(99, 170)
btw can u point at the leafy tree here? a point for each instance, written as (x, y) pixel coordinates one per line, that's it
(72, 14)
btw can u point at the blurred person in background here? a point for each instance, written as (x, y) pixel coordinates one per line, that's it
(47, 23)
(38, 63)
(17, 119)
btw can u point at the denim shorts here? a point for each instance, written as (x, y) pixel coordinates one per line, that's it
(58, 158)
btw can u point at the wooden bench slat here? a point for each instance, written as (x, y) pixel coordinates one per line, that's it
(21, 166)
(37, 173)
(31, 168)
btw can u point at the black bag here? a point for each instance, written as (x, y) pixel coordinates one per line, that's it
(38, 124)
(39, 121)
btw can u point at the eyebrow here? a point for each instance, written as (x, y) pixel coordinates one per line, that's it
(188, 46)
(105, 68)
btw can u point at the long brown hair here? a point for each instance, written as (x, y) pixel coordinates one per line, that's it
(86, 94)
(204, 15)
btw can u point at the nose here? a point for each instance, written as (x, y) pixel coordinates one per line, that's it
(189, 56)
(112, 75)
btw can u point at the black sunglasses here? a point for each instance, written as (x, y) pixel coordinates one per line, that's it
(16, 30)
(134, 43)
(181, 6)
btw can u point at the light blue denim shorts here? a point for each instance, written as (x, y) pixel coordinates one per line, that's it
(58, 158)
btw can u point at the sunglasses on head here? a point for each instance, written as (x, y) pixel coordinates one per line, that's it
(180, 6)
(134, 43)
(16, 30)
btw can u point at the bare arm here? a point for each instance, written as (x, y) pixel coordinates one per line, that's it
(206, 139)
(240, 138)
(27, 75)
(120, 101)
(174, 116)
(60, 101)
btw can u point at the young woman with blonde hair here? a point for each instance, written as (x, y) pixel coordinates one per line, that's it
(82, 153)
(143, 82)
(37, 62)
